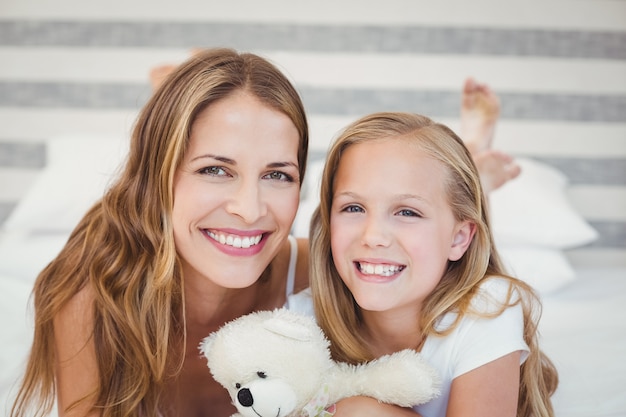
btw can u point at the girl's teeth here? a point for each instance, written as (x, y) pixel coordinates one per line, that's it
(236, 241)
(378, 269)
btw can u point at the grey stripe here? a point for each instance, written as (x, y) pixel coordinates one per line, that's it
(580, 171)
(318, 38)
(5, 209)
(73, 95)
(612, 234)
(22, 155)
(521, 106)
(524, 106)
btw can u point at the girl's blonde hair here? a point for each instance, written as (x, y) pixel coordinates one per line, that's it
(123, 248)
(338, 313)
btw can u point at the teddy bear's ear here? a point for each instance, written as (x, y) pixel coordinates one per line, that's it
(286, 328)
(206, 344)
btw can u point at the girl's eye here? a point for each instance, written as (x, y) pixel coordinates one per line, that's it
(278, 176)
(213, 171)
(352, 209)
(408, 213)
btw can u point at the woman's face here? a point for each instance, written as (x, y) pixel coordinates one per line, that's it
(236, 192)
(392, 229)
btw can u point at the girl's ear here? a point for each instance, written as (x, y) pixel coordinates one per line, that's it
(462, 239)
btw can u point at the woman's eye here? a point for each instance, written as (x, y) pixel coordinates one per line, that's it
(279, 176)
(213, 170)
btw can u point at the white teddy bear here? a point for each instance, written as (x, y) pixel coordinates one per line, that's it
(278, 364)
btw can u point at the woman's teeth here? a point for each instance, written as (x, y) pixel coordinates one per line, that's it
(378, 269)
(235, 241)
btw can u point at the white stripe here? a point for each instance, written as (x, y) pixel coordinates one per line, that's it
(428, 72)
(561, 139)
(591, 202)
(37, 124)
(578, 140)
(597, 257)
(577, 15)
(410, 71)
(14, 183)
(549, 139)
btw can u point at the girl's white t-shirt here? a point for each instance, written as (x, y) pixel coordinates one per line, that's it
(475, 341)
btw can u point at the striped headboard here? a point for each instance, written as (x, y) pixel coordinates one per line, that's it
(559, 68)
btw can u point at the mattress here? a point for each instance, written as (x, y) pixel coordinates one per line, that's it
(582, 328)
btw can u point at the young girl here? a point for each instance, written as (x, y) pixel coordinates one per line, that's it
(402, 257)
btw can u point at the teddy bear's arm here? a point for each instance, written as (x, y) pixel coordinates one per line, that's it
(403, 378)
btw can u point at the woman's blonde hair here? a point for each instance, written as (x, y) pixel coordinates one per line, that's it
(123, 248)
(338, 313)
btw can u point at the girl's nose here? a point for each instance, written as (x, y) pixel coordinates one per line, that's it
(375, 232)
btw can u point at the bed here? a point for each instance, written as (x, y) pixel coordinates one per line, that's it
(582, 327)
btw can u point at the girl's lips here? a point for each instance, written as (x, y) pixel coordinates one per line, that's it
(381, 269)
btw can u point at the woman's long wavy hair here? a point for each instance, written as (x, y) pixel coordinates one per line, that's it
(123, 248)
(338, 313)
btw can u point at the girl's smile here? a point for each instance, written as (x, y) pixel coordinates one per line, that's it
(393, 231)
(373, 270)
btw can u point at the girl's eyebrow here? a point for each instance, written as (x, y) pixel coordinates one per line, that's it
(396, 197)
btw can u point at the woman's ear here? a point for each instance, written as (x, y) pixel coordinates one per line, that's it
(462, 239)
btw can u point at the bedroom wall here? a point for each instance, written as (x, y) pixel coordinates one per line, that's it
(73, 66)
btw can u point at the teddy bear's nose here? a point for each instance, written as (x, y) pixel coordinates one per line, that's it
(245, 397)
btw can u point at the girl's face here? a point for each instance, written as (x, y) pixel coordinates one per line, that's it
(236, 192)
(392, 230)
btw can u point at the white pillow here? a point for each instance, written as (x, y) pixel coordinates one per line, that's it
(24, 255)
(309, 199)
(545, 269)
(79, 168)
(16, 322)
(533, 209)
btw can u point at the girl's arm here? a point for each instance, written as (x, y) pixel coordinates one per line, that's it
(369, 407)
(490, 390)
(76, 366)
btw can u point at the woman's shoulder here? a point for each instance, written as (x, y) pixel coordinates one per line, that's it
(76, 311)
(77, 363)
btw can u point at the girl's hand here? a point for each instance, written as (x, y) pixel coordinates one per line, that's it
(369, 407)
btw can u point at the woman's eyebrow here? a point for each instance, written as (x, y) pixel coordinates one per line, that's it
(282, 165)
(217, 158)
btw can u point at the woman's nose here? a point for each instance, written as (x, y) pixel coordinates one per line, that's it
(247, 202)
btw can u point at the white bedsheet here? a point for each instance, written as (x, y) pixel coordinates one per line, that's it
(583, 329)
(584, 332)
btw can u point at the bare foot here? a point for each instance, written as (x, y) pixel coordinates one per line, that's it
(495, 168)
(159, 74)
(480, 109)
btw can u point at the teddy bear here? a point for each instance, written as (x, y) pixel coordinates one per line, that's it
(278, 364)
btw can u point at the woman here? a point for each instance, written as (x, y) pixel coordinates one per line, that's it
(194, 233)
